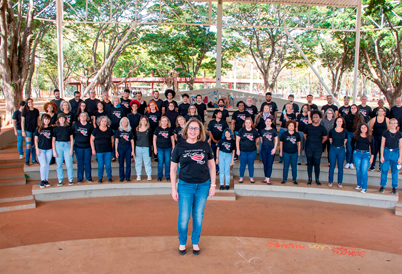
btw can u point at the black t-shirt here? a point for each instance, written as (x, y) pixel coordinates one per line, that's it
(179, 132)
(82, 135)
(396, 112)
(45, 138)
(115, 115)
(333, 107)
(153, 118)
(226, 145)
(159, 104)
(92, 105)
(124, 137)
(338, 138)
(183, 109)
(31, 120)
(17, 117)
(74, 105)
(313, 107)
(70, 118)
(172, 116)
(303, 121)
(216, 128)
(57, 102)
(252, 110)
(163, 137)
(239, 117)
(392, 139)
(98, 114)
(193, 158)
(189, 117)
(107, 106)
(344, 111)
(273, 107)
(53, 119)
(134, 120)
(295, 108)
(166, 104)
(289, 142)
(375, 111)
(247, 139)
(201, 108)
(102, 140)
(268, 137)
(315, 135)
(225, 114)
(362, 144)
(365, 111)
(125, 104)
(349, 119)
(283, 119)
(142, 108)
(62, 134)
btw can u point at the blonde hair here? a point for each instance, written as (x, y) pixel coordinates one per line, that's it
(168, 121)
(62, 103)
(196, 112)
(201, 134)
(177, 120)
(248, 119)
(146, 118)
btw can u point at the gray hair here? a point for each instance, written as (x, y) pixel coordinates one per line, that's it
(108, 123)
(86, 114)
(121, 126)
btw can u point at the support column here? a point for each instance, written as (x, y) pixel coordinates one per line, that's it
(251, 76)
(357, 49)
(60, 60)
(219, 45)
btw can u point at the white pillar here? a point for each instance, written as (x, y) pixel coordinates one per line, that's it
(235, 74)
(251, 76)
(59, 23)
(357, 49)
(219, 45)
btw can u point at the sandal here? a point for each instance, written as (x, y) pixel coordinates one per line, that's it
(330, 185)
(340, 185)
(241, 181)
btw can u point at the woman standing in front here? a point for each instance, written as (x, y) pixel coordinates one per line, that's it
(328, 123)
(338, 138)
(290, 150)
(63, 148)
(82, 147)
(164, 143)
(225, 158)
(269, 143)
(124, 143)
(29, 122)
(377, 126)
(102, 146)
(192, 191)
(246, 148)
(43, 145)
(353, 120)
(362, 144)
(142, 148)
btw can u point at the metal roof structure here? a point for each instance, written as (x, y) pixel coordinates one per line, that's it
(330, 3)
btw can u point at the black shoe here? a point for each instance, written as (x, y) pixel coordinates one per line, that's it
(221, 188)
(42, 184)
(168, 179)
(299, 164)
(196, 252)
(35, 163)
(27, 163)
(295, 182)
(252, 182)
(159, 179)
(182, 252)
(121, 180)
(309, 182)
(100, 181)
(79, 181)
(156, 159)
(372, 168)
(283, 182)
(109, 180)
(128, 180)
(280, 162)
(318, 183)
(394, 191)
(382, 189)
(240, 182)
(47, 184)
(227, 187)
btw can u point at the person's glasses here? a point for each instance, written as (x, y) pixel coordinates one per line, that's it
(194, 128)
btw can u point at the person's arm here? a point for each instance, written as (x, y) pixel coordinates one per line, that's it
(15, 127)
(173, 180)
(212, 175)
(154, 144)
(93, 121)
(233, 155)
(71, 145)
(336, 113)
(276, 115)
(92, 141)
(275, 146)
(324, 139)
(38, 121)
(238, 145)
(387, 121)
(217, 155)
(173, 142)
(400, 152)
(112, 140)
(383, 139)
(36, 140)
(116, 147)
(23, 126)
(54, 147)
(232, 125)
(132, 148)
(281, 149)
(298, 148)
(211, 137)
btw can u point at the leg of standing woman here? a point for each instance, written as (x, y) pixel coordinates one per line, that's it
(186, 198)
(293, 162)
(286, 164)
(299, 158)
(128, 162)
(349, 150)
(160, 163)
(385, 167)
(167, 153)
(79, 154)
(138, 160)
(59, 160)
(108, 164)
(365, 163)
(358, 162)
(310, 160)
(147, 162)
(44, 165)
(222, 168)
(250, 162)
(101, 164)
(243, 163)
(270, 161)
(332, 163)
(87, 163)
(264, 157)
(376, 149)
(121, 151)
(20, 139)
(341, 159)
(200, 199)
(69, 161)
(227, 162)
(394, 168)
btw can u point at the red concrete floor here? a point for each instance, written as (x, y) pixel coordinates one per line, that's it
(289, 219)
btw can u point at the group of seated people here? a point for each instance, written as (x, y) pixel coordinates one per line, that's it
(132, 129)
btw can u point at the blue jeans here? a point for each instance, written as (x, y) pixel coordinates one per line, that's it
(192, 199)
(224, 167)
(281, 130)
(267, 160)
(124, 153)
(349, 150)
(289, 159)
(63, 151)
(247, 159)
(20, 139)
(30, 151)
(362, 161)
(44, 161)
(164, 158)
(142, 153)
(336, 155)
(302, 146)
(83, 156)
(104, 160)
(390, 159)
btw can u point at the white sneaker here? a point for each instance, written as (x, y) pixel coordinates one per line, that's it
(138, 177)
(21, 157)
(149, 178)
(347, 165)
(358, 188)
(363, 191)
(352, 166)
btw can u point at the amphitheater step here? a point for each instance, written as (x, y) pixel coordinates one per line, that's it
(398, 211)
(15, 193)
(9, 149)
(17, 205)
(16, 180)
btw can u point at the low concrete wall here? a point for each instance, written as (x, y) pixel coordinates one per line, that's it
(7, 136)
